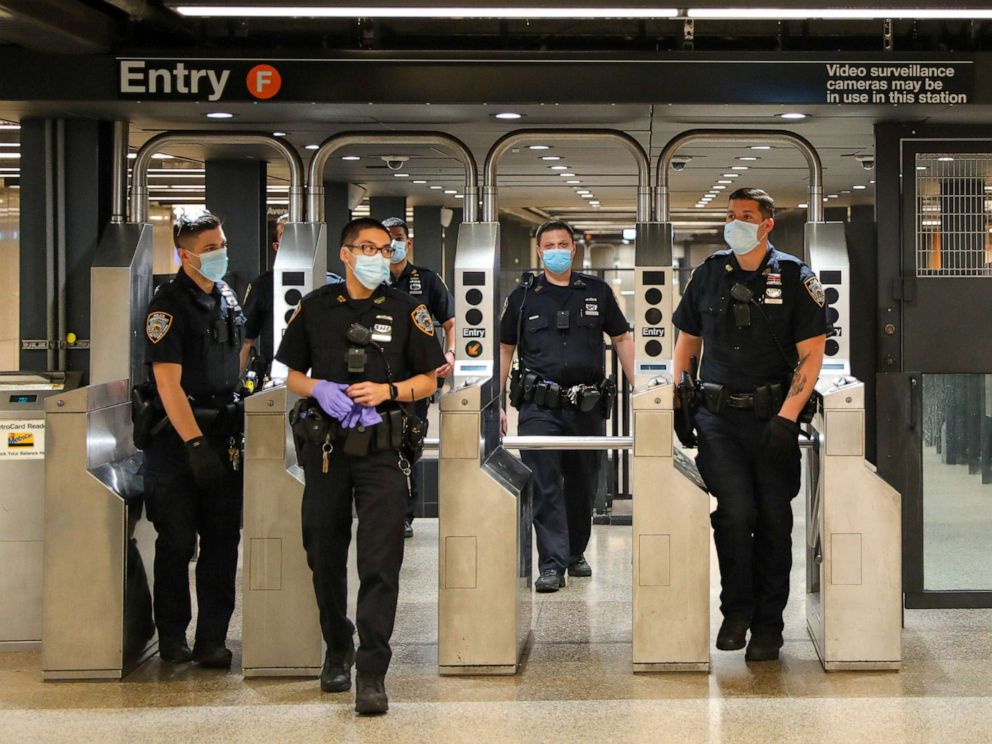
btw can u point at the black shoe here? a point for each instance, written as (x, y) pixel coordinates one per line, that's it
(212, 654)
(174, 650)
(408, 529)
(549, 581)
(763, 647)
(370, 695)
(336, 674)
(577, 566)
(732, 635)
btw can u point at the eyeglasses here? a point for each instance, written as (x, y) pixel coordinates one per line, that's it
(370, 249)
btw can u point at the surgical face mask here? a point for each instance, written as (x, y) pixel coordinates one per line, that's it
(741, 236)
(371, 271)
(557, 260)
(213, 265)
(399, 251)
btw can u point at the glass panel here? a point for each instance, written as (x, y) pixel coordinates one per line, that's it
(957, 482)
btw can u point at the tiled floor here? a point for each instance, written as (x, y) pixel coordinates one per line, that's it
(576, 684)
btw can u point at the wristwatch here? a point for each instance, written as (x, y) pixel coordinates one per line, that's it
(450, 351)
(393, 392)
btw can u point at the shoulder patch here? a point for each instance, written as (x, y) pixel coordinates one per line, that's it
(422, 319)
(815, 290)
(157, 324)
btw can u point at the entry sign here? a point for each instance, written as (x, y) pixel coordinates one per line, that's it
(22, 439)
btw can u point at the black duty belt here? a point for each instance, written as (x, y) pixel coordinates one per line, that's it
(765, 401)
(740, 400)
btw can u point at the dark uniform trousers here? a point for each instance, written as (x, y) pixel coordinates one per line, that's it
(565, 482)
(379, 490)
(180, 512)
(421, 408)
(752, 524)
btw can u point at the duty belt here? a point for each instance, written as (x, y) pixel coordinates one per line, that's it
(765, 401)
(528, 387)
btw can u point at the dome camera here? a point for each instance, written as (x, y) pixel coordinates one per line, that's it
(679, 163)
(867, 161)
(394, 162)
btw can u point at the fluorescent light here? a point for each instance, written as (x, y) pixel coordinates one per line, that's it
(436, 188)
(567, 175)
(420, 181)
(10, 155)
(738, 167)
(539, 147)
(10, 170)
(220, 115)
(847, 14)
(558, 167)
(921, 167)
(792, 115)
(450, 191)
(312, 147)
(731, 175)
(746, 158)
(350, 157)
(9, 127)
(508, 115)
(132, 155)
(162, 156)
(802, 205)
(278, 134)
(401, 175)
(550, 157)
(719, 188)
(459, 196)
(831, 196)
(177, 170)
(425, 11)
(760, 147)
(945, 159)
(724, 181)
(10, 144)
(571, 182)
(859, 188)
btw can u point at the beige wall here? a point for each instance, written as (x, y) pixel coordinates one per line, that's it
(10, 291)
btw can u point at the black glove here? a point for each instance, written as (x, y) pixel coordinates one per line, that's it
(209, 472)
(684, 429)
(780, 442)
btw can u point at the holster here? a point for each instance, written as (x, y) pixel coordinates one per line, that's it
(768, 399)
(147, 415)
(309, 424)
(516, 387)
(608, 396)
(413, 434)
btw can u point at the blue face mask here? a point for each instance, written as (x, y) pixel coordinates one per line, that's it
(399, 251)
(742, 237)
(557, 260)
(371, 271)
(213, 265)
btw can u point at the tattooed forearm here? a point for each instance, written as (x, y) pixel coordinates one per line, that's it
(798, 378)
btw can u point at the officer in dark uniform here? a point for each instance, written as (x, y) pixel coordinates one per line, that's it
(258, 311)
(194, 330)
(759, 316)
(557, 323)
(428, 287)
(358, 349)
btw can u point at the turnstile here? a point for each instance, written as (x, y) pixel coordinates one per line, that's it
(22, 500)
(485, 594)
(98, 545)
(853, 545)
(280, 630)
(671, 546)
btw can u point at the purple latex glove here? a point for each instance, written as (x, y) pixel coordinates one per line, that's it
(361, 416)
(332, 398)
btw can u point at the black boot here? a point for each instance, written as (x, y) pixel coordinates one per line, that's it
(212, 654)
(732, 635)
(578, 566)
(370, 695)
(174, 650)
(336, 674)
(549, 581)
(763, 647)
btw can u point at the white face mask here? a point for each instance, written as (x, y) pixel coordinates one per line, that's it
(741, 236)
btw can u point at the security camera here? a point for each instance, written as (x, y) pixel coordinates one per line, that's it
(680, 162)
(394, 162)
(867, 161)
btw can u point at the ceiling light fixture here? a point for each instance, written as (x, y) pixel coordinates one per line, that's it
(760, 147)
(558, 167)
(724, 181)
(747, 158)
(731, 175)
(162, 156)
(9, 127)
(219, 115)
(739, 167)
(845, 14)
(550, 157)
(793, 115)
(450, 191)
(507, 115)
(802, 205)
(278, 134)
(436, 188)
(571, 182)
(420, 181)
(539, 147)
(350, 157)
(567, 175)
(401, 175)
(945, 159)
(424, 11)
(312, 147)
(859, 188)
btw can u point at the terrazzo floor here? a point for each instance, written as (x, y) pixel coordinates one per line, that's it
(575, 684)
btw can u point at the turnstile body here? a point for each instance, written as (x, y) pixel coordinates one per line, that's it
(853, 547)
(22, 500)
(485, 593)
(98, 545)
(671, 546)
(280, 630)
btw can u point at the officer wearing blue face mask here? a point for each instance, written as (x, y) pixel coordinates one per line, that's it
(357, 351)
(194, 330)
(758, 314)
(556, 324)
(426, 286)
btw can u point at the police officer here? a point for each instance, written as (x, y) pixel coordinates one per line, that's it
(425, 286)
(358, 349)
(194, 331)
(759, 316)
(556, 323)
(258, 310)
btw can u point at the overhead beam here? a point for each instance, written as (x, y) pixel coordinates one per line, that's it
(62, 26)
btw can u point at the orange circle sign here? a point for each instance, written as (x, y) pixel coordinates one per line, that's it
(473, 349)
(264, 81)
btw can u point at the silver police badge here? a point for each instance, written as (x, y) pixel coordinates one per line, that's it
(157, 324)
(815, 290)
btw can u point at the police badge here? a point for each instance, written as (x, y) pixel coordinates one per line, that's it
(157, 324)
